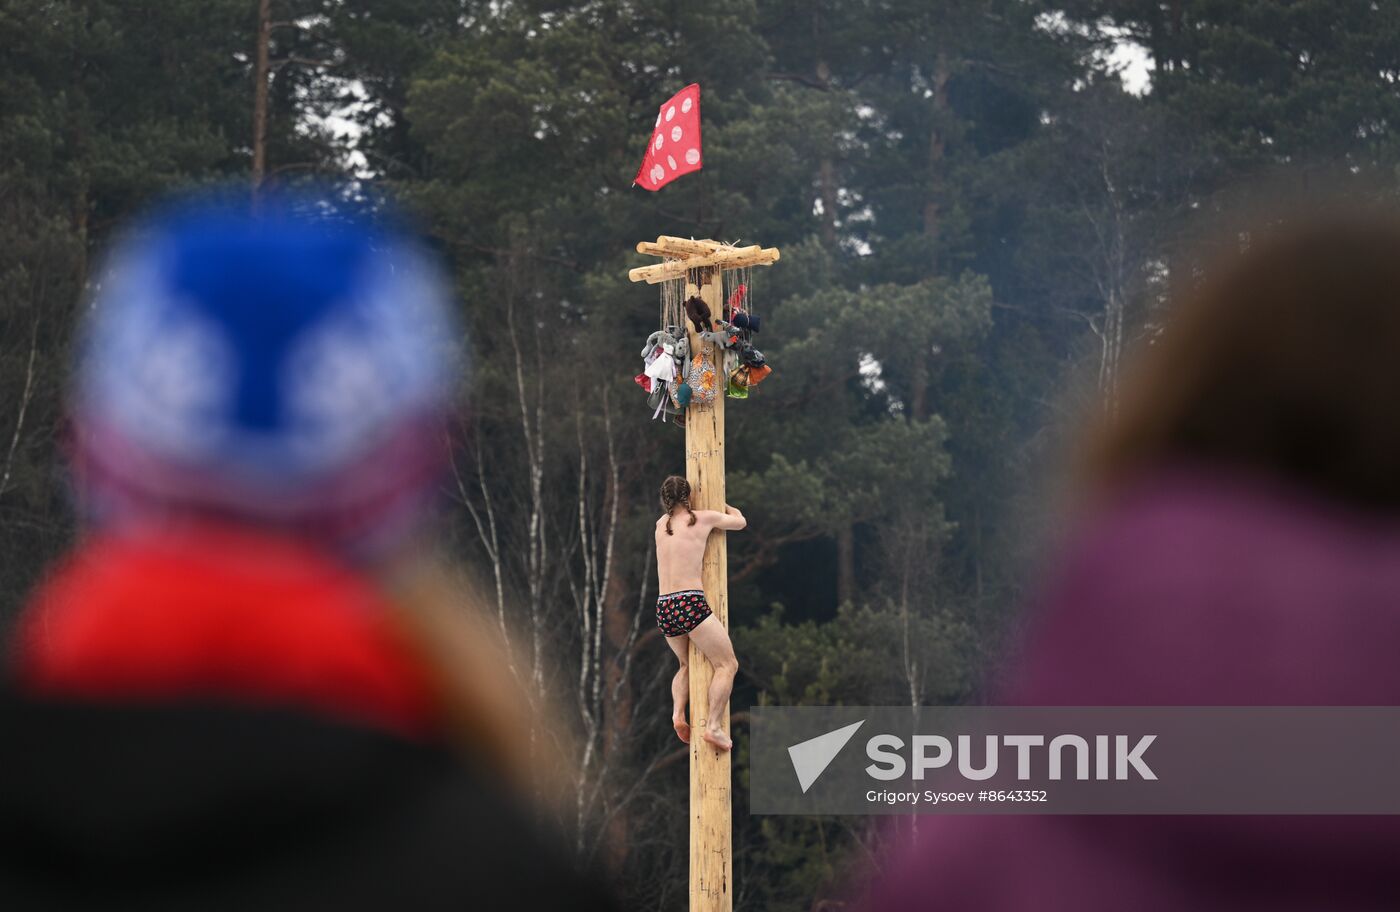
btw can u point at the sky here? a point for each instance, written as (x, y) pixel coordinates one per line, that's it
(1134, 66)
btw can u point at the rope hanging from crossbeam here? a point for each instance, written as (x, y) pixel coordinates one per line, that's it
(672, 301)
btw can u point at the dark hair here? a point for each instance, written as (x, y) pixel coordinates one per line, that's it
(675, 490)
(1285, 362)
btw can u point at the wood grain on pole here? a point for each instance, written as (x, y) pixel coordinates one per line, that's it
(711, 850)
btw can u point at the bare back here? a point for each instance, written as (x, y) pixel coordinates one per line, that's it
(679, 555)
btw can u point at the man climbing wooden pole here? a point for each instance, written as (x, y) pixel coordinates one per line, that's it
(702, 264)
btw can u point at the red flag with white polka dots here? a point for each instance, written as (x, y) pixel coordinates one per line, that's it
(675, 143)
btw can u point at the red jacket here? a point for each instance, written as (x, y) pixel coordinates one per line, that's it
(222, 613)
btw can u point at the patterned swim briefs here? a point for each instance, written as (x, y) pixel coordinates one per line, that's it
(678, 613)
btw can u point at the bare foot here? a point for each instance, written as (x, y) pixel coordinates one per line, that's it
(682, 728)
(718, 739)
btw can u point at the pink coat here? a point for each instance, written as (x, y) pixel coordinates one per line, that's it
(1192, 589)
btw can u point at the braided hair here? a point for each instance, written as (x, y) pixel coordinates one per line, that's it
(675, 491)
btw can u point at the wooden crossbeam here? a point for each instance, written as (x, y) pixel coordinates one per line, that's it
(667, 246)
(722, 256)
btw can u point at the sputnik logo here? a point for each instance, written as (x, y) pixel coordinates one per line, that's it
(811, 758)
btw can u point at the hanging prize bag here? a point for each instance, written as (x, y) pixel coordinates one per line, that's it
(702, 379)
(738, 383)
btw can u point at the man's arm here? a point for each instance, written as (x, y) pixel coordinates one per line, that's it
(731, 520)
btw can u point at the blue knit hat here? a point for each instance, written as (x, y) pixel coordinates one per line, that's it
(290, 367)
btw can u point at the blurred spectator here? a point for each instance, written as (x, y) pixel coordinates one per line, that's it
(243, 689)
(1240, 545)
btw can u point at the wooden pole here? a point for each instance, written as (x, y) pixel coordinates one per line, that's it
(711, 825)
(711, 837)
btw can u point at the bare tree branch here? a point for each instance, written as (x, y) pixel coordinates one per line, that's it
(25, 396)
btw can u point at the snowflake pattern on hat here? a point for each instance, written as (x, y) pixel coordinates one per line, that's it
(286, 366)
